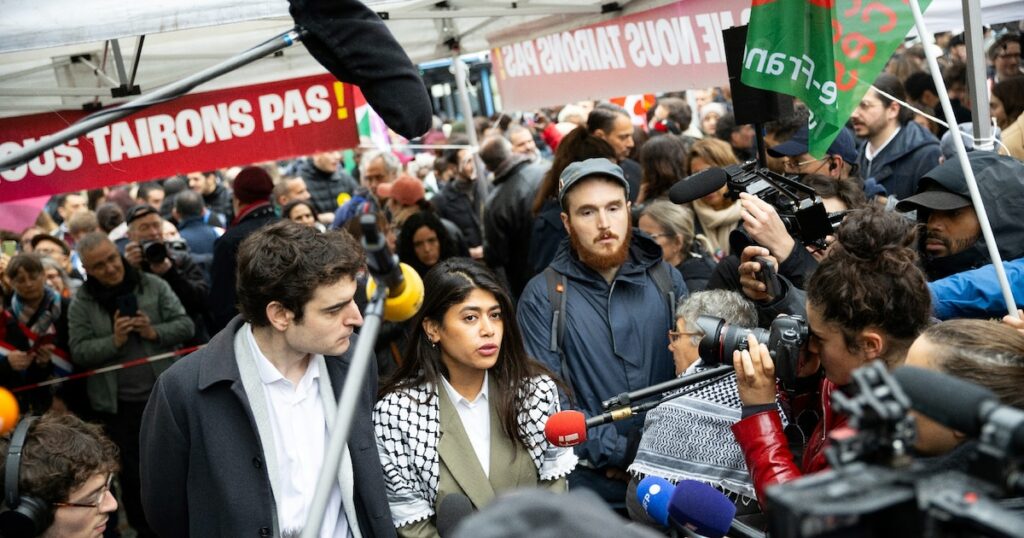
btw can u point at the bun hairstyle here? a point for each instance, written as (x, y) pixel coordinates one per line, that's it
(871, 279)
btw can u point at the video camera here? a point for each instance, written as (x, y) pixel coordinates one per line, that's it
(798, 205)
(785, 338)
(874, 487)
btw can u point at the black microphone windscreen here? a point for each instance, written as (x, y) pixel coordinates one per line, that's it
(355, 45)
(451, 511)
(950, 401)
(697, 186)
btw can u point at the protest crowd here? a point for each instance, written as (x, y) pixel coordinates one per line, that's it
(558, 273)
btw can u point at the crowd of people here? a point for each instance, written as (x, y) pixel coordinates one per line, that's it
(558, 274)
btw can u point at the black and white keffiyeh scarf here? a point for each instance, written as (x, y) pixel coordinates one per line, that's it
(690, 438)
(407, 424)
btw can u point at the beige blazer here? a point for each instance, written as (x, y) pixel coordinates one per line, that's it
(511, 466)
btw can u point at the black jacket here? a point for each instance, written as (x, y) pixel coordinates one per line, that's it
(223, 300)
(459, 203)
(323, 187)
(219, 201)
(188, 281)
(507, 220)
(202, 460)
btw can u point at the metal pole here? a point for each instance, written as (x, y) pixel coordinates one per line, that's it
(480, 186)
(355, 378)
(105, 117)
(977, 82)
(965, 165)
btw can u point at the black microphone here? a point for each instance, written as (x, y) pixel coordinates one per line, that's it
(382, 263)
(698, 185)
(959, 404)
(355, 45)
(451, 511)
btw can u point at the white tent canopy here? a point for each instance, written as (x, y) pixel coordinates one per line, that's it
(40, 39)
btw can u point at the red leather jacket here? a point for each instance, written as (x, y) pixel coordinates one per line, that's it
(766, 449)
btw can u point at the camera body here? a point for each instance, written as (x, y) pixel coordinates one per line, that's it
(785, 339)
(155, 252)
(799, 207)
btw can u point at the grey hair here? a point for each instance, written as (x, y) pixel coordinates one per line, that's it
(391, 163)
(728, 305)
(673, 219)
(90, 241)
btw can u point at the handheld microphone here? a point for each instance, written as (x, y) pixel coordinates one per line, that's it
(959, 404)
(569, 428)
(451, 511)
(405, 287)
(697, 186)
(654, 493)
(700, 508)
(355, 45)
(8, 411)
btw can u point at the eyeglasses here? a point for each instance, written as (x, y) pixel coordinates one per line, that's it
(795, 167)
(100, 495)
(675, 335)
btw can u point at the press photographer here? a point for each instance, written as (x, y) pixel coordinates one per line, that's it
(170, 260)
(867, 300)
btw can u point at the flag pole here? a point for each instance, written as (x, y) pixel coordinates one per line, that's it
(965, 165)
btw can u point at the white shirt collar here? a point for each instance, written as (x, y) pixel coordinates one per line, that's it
(455, 397)
(269, 374)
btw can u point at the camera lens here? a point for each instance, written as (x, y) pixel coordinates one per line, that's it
(154, 251)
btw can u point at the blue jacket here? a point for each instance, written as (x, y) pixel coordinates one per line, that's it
(615, 338)
(976, 293)
(898, 168)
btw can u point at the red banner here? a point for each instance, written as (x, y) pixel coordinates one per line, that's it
(199, 131)
(673, 47)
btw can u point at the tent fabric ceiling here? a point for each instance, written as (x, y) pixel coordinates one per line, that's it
(38, 38)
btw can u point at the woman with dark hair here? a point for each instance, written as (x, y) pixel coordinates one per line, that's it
(1007, 106)
(548, 230)
(300, 211)
(424, 242)
(465, 412)
(663, 161)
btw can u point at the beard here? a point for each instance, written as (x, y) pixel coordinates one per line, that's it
(952, 245)
(598, 261)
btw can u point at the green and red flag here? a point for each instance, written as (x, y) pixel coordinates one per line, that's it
(824, 52)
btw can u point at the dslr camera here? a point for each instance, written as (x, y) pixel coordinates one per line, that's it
(799, 207)
(155, 252)
(785, 339)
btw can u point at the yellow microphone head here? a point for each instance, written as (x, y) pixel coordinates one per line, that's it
(343, 197)
(9, 410)
(406, 305)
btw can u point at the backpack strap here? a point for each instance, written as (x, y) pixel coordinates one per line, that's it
(556, 298)
(663, 280)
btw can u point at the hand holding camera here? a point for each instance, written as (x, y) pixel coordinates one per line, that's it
(154, 253)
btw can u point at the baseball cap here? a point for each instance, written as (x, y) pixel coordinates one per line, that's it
(843, 146)
(139, 211)
(583, 169)
(936, 198)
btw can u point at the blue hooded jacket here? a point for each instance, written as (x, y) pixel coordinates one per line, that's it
(616, 337)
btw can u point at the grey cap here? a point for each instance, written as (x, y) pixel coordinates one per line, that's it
(583, 169)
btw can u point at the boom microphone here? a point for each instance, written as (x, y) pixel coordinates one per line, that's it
(697, 186)
(405, 287)
(354, 44)
(959, 404)
(700, 508)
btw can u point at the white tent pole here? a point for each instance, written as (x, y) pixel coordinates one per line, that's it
(976, 79)
(965, 165)
(462, 82)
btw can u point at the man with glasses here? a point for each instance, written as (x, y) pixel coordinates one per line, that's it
(71, 486)
(839, 161)
(1005, 57)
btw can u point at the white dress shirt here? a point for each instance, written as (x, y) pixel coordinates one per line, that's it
(476, 420)
(300, 439)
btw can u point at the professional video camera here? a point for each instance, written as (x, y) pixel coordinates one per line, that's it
(874, 487)
(798, 205)
(785, 338)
